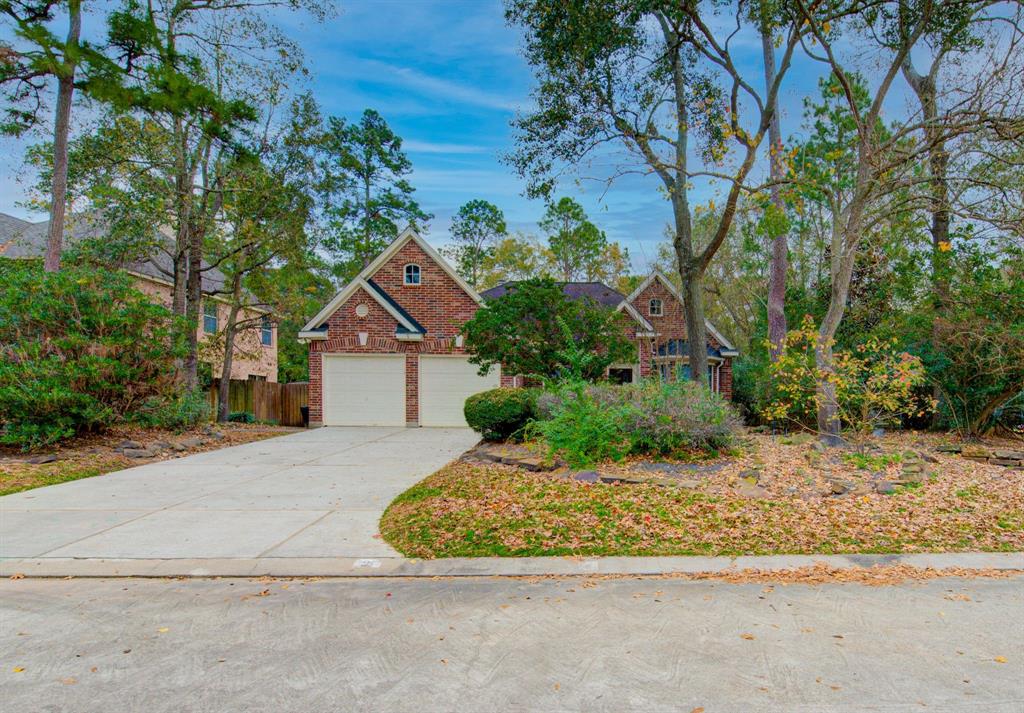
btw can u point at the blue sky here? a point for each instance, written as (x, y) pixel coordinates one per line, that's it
(448, 76)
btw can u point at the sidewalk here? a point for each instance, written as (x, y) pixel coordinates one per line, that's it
(485, 566)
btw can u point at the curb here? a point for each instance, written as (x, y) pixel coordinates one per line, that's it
(490, 566)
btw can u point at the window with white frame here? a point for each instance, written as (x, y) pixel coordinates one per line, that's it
(654, 308)
(209, 316)
(412, 274)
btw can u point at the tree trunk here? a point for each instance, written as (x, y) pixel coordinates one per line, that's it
(938, 162)
(696, 333)
(780, 243)
(194, 307)
(61, 130)
(229, 353)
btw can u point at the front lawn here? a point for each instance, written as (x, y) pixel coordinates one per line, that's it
(474, 510)
(90, 455)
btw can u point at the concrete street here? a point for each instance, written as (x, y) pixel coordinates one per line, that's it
(491, 644)
(317, 493)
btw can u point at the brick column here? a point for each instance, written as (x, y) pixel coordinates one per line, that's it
(412, 389)
(725, 379)
(316, 415)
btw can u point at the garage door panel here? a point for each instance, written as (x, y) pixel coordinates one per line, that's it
(445, 384)
(363, 390)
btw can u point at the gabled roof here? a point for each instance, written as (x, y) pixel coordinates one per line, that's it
(596, 291)
(727, 348)
(407, 325)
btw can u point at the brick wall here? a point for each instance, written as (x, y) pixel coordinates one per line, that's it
(438, 303)
(672, 325)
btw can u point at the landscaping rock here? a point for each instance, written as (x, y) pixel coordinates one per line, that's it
(928, 458)
(840, 487)
(586, 476)
(162, 445)
(948, 449)
(532, 463)
(1011, 462)
(913, 472)
(754, 492)
(885, 487)
(625, 479)
(139, 452)
(750, 477)
(975, 452)
(686, 484)
(128, 444)
(192, 443)
(179, 447)
(658, 467)
(40, 460)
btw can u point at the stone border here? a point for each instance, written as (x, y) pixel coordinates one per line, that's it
(487, 566)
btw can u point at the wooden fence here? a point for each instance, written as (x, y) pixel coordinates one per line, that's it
(265, 400)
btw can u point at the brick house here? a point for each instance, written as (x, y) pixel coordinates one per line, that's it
(658, 327)
(386, 350)
(255, 350)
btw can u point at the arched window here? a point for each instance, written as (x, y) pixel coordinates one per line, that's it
(654, 308)
(412, 274)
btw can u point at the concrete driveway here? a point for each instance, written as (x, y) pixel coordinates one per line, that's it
(318, 493)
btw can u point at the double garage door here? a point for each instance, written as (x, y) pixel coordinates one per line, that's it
(371, 390)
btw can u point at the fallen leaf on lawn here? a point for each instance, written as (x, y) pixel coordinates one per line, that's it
(17, 575)
(698, 709)
(93, 669)
(444, 661)
(836, 688)
(1000, 659)
(18, 669)
(69, 681)
(264, 593)
(163, 630)
(748, 637)
(557, 686)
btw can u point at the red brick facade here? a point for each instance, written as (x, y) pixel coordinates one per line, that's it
(438, 303)
(441, 305)
(671, 324)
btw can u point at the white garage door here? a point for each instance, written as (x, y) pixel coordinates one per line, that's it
(445, 383)
(364, 390)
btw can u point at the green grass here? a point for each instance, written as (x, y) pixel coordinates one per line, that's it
(27, 478)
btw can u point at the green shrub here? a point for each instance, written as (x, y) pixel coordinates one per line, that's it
(178, 413)
(80, 349)
(241, 417)
(500, 414)
(586, 423)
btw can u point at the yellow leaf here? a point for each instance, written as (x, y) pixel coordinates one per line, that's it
(163, 630)
(18, 669)
(944, 246)
(826, 26)
(748, 637)
(1000, 659)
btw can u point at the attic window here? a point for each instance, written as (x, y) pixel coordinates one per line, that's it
(654, 308)
(412, 274)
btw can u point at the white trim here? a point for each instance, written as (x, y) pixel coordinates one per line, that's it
(729, 350)
(368, 271)
(633, 312)
(315, 335)
(343, 296)
(661, 307)
(633, 368)
(414, 337)
(405, 274)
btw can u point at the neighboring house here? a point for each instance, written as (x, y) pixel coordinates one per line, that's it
(657, 326)
(386, 350)
(255, 347)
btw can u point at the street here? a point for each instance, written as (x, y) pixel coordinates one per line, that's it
(503, 644)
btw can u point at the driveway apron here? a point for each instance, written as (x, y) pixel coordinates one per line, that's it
(319, 493)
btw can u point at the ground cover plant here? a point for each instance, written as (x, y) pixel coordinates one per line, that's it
(468, 509)
(587, 423)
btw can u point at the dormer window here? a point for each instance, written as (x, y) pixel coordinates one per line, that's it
(412, 274)
(654, 308)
